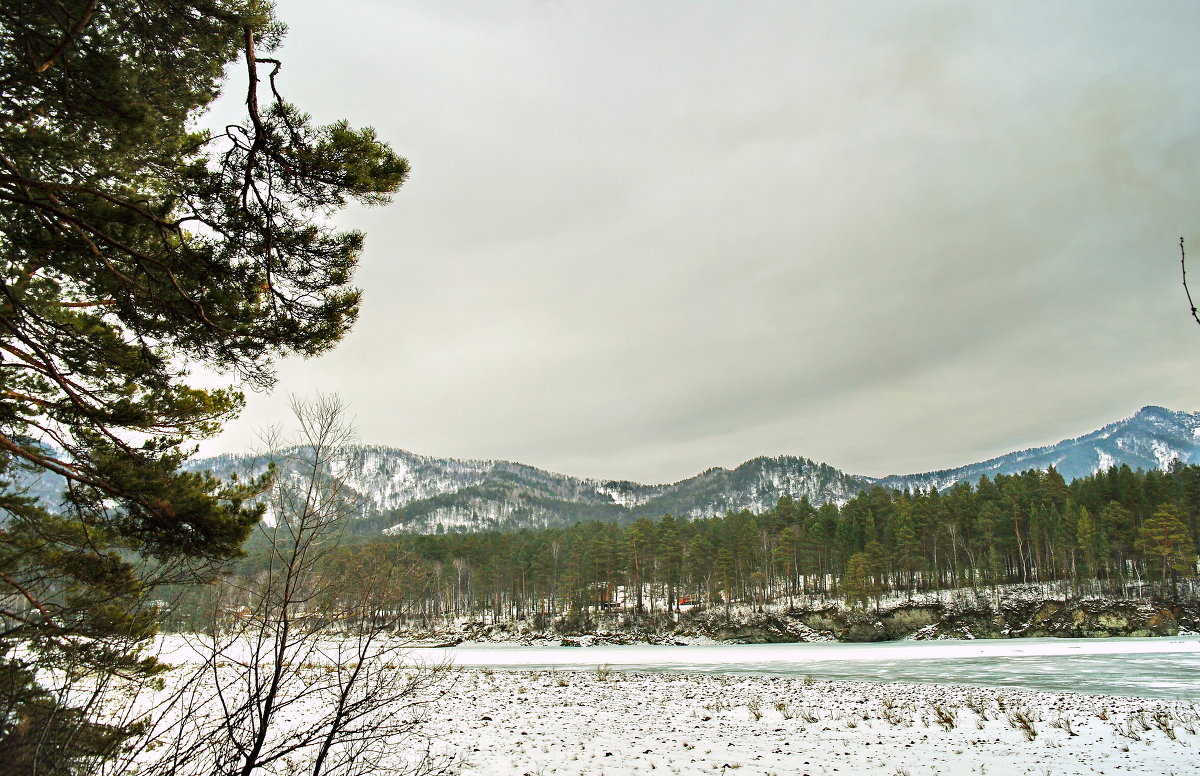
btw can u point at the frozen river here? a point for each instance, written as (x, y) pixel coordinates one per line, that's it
(1151, 667)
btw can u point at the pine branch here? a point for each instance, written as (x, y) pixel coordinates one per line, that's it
(80, 24)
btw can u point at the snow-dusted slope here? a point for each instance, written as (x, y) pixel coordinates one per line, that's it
(420, 493)
(403, 491)
(1151, 438)
(756, 485)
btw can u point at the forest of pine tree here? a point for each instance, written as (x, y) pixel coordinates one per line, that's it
(1115, 531)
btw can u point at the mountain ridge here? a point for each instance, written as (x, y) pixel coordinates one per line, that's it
(1068, 456)
(401, 491)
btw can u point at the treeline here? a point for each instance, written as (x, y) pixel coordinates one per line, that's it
(1115, 528)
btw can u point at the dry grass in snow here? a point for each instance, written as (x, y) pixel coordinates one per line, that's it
(615, 723)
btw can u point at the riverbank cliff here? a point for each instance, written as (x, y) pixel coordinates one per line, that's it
(1011, 613)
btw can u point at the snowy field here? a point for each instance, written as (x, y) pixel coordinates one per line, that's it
(565, 719)
(576, 723)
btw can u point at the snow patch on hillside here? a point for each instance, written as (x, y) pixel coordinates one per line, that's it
(1164, 454)
(624, 493)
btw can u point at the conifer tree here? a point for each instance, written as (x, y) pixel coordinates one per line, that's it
(670, 552)
(786, 556)
(858, 583)
(1090, 542)
(135, 246)
(1165, 541)
(906, 545)
(1116, 524)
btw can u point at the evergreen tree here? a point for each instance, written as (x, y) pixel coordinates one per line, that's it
(1117, 525)
(134, 245)
(990, 523)
(640, 540)
(786, 556)
(1090, 541)
(906, 545)
(1166, 543)
(725, 569)
(1007, 532)
(670, 553)
(1189, 496)
(858, 583)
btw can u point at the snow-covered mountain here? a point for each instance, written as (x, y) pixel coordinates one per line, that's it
(403, 491)
(1151, 438)
(400, 491)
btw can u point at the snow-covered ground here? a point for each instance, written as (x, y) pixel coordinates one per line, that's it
(572, 721)
(576, 723)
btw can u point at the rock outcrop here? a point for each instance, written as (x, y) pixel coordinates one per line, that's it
(1015, 614)
(1008, 618)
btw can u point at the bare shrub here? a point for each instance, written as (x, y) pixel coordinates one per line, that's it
(1127, 731)
(1023, 720)
(1163, 720)
(306, 679)
(1064, 723)
(944, 716)
(977, 704)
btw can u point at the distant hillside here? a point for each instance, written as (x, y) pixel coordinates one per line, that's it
(403, 491)
(1150, 439)
(420, 493)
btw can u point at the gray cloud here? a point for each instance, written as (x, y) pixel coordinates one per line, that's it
(645, 238)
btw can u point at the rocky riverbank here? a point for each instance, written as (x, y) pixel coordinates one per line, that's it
(1074, 618)
(1011, 614)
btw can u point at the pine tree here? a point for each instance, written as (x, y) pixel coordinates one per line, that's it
(785, 556)
(134, 246)
(1166, 543)
(670, 553)
(1116, 524)
(990, 522)
(1090, 541)
(724, 569)
(906, 545)
(858, 583)
(640, 540)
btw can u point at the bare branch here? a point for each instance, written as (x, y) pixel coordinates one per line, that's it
(1183, 271)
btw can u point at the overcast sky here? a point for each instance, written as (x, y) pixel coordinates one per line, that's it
(642, 238)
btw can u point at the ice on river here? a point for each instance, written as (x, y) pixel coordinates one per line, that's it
(1153, 667)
